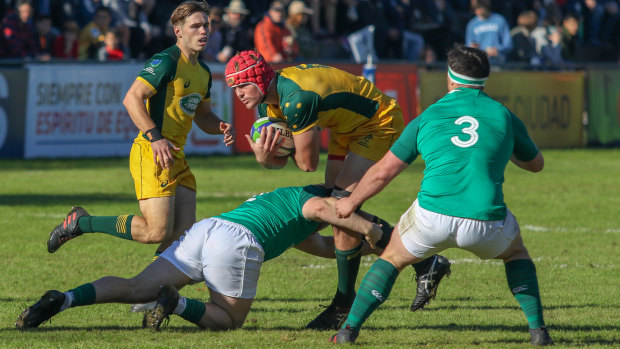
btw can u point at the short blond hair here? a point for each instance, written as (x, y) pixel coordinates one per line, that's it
(187, 9)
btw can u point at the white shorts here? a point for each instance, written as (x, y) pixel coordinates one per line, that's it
(223, 254)
(425, 233)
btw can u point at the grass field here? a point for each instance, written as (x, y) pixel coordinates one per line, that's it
(569, 215)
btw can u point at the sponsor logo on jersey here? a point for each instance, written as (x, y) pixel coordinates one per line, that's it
(149, 70)
(189, 103)
(164, 184)
(186, 84)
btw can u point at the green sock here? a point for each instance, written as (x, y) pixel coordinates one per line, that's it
(521, 276)
(156, 255)
(374, 290)
(387, 229)
(194, 310)
(83, 295)
(348, 265)
(119, 226)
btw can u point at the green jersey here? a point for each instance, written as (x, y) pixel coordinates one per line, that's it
(466, 139)
(276, 219)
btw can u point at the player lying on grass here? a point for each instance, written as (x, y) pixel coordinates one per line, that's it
(225, 251)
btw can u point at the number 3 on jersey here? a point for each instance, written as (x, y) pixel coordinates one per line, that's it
(471, 131)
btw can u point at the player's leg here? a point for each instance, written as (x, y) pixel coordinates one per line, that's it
(224, 312)
(342, 173)
(157, 221)
(375, 288)
(419, 235)
(348, 246)
(502, 240)
(523, 283)
(155, 190)
(229, 259)
(109, 289)
(351, 172)
(184, 215)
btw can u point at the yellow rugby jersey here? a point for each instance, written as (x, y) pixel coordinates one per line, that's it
(318, 95)
(178, 86)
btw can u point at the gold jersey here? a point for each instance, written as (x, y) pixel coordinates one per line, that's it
(178, 86)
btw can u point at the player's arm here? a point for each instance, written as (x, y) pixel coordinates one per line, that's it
(306, 155)
(266, 147)
(525, 153)
(534, 165)
(318, 245)
(207, 121)
(376, 178)
(322, 209)
(323, 246)
(134, 103)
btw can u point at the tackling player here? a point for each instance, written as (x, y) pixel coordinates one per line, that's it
(364, 123)
(176, 87)
(225, 251)
(466, 140)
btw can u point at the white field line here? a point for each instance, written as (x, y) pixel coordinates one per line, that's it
(536, 228)
(367, 261)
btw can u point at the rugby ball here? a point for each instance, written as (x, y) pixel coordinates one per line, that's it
(288, 144)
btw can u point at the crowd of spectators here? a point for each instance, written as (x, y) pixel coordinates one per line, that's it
(533, 32)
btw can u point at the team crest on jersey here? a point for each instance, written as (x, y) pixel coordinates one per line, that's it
(189, 103)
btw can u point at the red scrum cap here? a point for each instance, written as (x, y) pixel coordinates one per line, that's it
(249, 67)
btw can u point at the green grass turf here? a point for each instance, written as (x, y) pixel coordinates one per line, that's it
(568, 214)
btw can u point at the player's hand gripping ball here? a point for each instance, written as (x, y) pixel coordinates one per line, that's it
(288, 145)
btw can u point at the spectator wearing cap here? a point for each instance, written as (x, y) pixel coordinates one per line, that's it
(488, 31)
(272, 39)
(18, 32)
(298, 14)
(237, 34)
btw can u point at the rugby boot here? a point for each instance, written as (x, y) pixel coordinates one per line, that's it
(167, 300)
(41, 311)
(428, 281)
(540, 336)
(345, 335)
(142, 307)
(331, 318)
(66, 230)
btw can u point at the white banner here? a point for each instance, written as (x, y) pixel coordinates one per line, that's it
(76, 110)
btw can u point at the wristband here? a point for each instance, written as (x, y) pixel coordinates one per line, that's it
(155, 134)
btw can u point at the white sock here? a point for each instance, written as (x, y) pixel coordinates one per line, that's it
(180, 306)
(68, 300)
